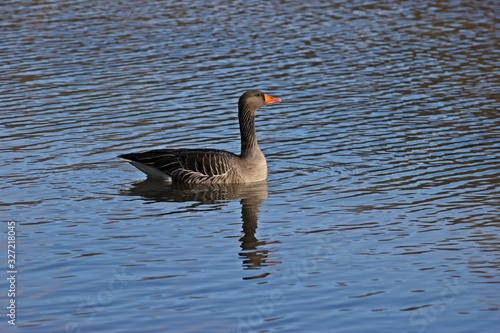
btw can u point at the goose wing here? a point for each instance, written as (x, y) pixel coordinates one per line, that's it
(186, 165)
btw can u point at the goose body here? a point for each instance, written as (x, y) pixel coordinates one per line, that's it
(212, 166)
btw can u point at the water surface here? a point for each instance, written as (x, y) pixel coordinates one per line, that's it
(380, 213)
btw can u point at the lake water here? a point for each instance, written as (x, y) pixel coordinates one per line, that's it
(381, 209)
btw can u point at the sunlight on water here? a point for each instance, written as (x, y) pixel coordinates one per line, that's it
(380, 212)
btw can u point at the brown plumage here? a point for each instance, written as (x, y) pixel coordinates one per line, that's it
(210, 166)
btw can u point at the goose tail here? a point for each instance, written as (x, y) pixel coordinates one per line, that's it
(150, 171)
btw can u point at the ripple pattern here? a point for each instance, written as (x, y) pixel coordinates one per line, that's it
(383, 187)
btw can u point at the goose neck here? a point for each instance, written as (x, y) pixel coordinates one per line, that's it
(249, 143)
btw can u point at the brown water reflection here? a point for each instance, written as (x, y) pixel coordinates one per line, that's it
(215, 197)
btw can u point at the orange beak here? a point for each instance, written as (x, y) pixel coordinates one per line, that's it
(270, 99)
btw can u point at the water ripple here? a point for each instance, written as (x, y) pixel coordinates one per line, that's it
(383, 163)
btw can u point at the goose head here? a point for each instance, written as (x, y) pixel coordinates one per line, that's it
(252, 100)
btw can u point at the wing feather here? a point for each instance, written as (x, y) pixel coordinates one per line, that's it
(187, 165)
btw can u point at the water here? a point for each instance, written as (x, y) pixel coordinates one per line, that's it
(380, 213)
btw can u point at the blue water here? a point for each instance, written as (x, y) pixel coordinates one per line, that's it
(380, 213)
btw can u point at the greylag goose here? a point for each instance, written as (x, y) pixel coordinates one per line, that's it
(211, 166)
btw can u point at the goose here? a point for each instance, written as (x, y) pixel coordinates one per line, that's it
(212, 166)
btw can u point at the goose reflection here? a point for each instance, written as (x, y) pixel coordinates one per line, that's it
(251, 196)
